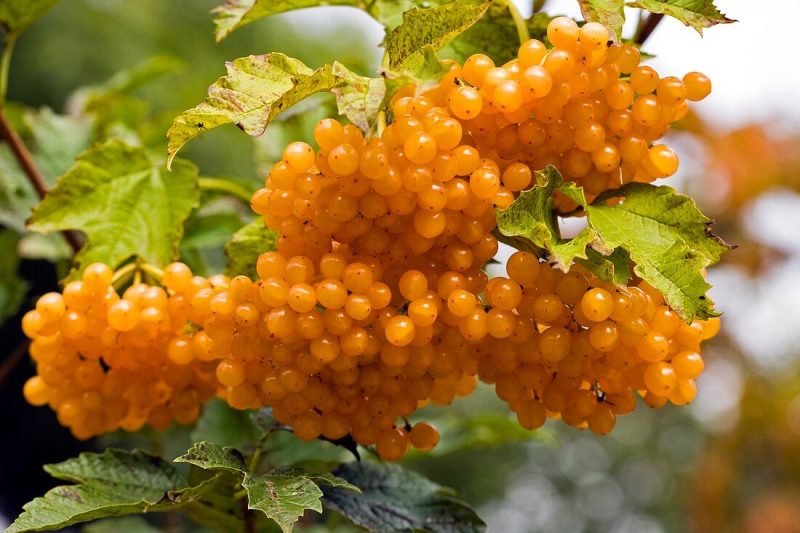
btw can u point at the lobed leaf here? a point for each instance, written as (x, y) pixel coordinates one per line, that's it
(258, 88)
(394, 499)
(125, 202)
(609, 13)
(358, 98)
(698, 14)
(614, 267)
(113, 483)
(284, 499)
(668, 239)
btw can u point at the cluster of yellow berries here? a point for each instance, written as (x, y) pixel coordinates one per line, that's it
(375, 302)
(106, 362)
(587, 108)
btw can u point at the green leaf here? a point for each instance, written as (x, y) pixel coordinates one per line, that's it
(433, 26)
(284, 499)
(113, 483)
(17, 15)
(234, 14)
(698, 14)
(394, 499)
(609, 13)
(531, 217)
(246, 245)
(127, 204)
(212, 456)
(614, 268)
(12, 287)
(667, 238)
(224, 425)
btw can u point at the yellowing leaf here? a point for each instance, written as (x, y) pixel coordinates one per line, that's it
(17, 15)
(698, 14)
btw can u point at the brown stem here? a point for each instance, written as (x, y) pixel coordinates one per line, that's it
(647, 28)
(25, 161)
(249, 521)
(13, 359)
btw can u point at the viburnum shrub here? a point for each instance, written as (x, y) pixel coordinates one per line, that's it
(361, 292)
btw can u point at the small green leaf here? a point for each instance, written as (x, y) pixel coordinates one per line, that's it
(246, 245)
(17, 15)
(234, 14)
(212, 456)
(394, 499)
(698, 14)
(531, 217)
(614, 268)
(433, 26)
(284, 499)
(609, 13)
(126, 203)
(12, 287)
(114, 483)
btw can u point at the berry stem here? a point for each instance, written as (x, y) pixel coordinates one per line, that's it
(5, 63)
(13, 360)
(123, 275)
(152, 271)
(647, 28)
(225, 186)
(25, 160)
(519, 22)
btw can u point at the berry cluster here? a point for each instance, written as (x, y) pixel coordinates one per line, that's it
(375, 302)
(587, 108)
(106, 362)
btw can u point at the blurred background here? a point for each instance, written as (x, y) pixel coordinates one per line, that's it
(728, 462)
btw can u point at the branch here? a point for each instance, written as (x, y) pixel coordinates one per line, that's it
(649, 25)
(25, 161)
(13, 360)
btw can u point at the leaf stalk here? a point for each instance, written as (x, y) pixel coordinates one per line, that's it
(225, 186)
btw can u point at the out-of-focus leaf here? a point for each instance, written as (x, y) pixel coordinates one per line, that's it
(479, 431)
(394, 499)
(12, 287)
(698, 14)
(224, 425)
(17, 15)
(126, 203)
(128, 524)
